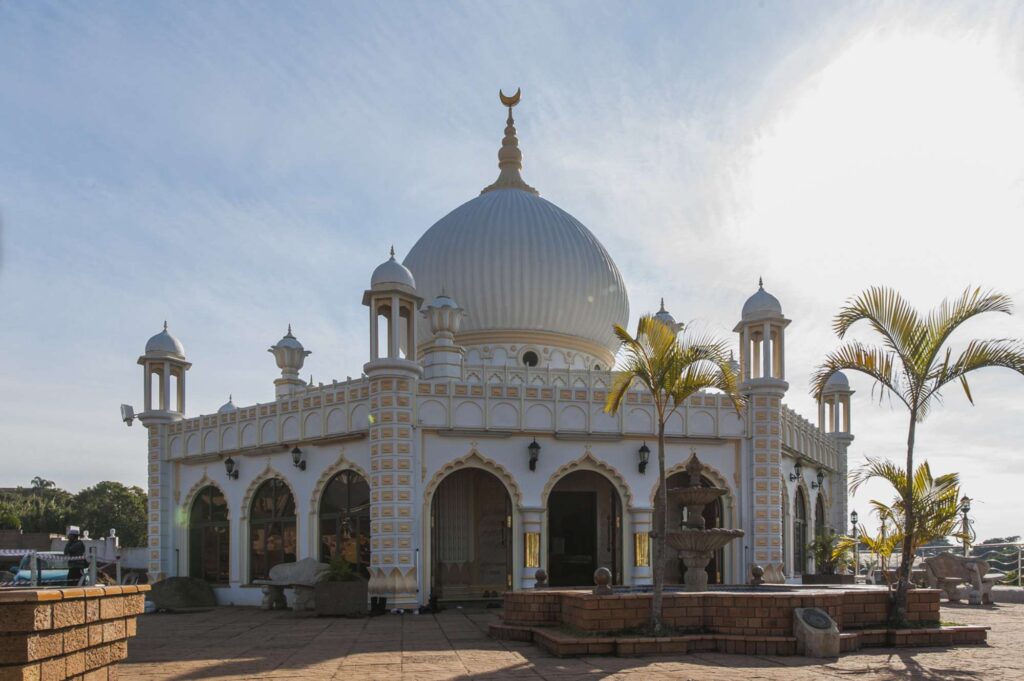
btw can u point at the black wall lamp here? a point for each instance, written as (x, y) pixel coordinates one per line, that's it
(534, 450)
(232, 470)
(798, 471)
(645, 455)
(821, 480)
(297, 459)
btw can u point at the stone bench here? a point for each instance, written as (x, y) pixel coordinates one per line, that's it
(300, 576)
(947, 572)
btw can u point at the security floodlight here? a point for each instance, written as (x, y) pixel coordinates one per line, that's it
(127, 413)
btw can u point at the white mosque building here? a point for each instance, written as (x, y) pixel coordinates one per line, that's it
(474, 449)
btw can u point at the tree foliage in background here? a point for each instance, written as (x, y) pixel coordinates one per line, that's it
(914, 363)
(112, 505)
(44, 507)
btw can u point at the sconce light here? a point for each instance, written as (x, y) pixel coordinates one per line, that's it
(821, 480)
(297, 459)
(853, 521)
(798, 471)
(229, 466)
(645, 454)
(534, 449)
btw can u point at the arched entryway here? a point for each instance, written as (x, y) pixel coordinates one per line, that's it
(584, 529)
(345, 521)
(272, 532)
(208, 536)
(800, 532)
(714, 516)
(471, 537)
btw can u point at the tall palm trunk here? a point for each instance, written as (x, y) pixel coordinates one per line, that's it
(660, 529)
(907, 559)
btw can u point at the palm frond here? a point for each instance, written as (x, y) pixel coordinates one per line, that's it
(876, 362)
(949, 315)
(889, 314)
(978, 354)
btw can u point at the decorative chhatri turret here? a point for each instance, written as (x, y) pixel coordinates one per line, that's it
(510, 159)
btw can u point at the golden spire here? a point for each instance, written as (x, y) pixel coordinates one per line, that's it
(510, 159)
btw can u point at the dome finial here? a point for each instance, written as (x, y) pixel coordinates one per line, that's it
(165, 325)
(392, 251)
(510, 159)
(760, 282)
(289, 334)
(662, 306)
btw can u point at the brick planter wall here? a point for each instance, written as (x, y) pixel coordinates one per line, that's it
(74, 633)
(738, 614)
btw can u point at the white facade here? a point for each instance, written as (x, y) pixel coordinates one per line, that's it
(512, 347)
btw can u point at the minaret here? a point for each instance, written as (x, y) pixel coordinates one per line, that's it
(834, 420)
(443, 358)
(510, 159)
(393, 374)
(763, 381)
(666, 317)
(290, 356)
(165, 361)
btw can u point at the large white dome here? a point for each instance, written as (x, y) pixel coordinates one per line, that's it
(516, 262)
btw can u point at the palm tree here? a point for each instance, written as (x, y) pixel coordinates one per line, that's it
(936, 505)
(671, 367)
(914, 363)
(42, 483)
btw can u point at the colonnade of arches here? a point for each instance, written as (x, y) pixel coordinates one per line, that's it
(473, 532)
(343, 528)
(798, 530)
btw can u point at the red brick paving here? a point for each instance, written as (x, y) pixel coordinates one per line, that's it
(245, 643)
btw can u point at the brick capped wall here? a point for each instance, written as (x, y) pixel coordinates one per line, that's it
(74, 633)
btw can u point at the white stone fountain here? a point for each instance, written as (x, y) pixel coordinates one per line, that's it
(694, 542)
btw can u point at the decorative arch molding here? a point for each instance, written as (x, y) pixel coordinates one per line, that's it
(190, 496)
(474, 459)
(267, 473)
(588, 462)
(340, 465)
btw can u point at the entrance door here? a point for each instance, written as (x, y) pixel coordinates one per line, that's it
(572, 528)
(471, 537)
(584, 530)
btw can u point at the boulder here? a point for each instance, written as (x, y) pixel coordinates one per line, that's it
(182, 594)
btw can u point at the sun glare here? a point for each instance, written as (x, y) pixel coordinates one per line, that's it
(896, 135)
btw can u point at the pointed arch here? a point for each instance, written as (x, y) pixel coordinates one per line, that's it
(267, 473)
(190, 495)
(473, 459)
(588, 462)
(710, 472)
(340, 464)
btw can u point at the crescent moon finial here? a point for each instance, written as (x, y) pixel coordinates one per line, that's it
(510, 101)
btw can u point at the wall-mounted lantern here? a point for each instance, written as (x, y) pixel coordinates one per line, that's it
(645, 455)
(232, 470)
(798, 471)
(821, 480)
(534, 450)
(297, 459)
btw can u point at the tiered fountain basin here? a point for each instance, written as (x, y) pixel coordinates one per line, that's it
(740, 620)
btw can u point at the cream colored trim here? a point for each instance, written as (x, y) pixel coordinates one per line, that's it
(588, 462)
(534, 338)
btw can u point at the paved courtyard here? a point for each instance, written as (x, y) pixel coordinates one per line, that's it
(245, 643)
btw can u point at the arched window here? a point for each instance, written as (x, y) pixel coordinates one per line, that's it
(819, 517)
(208, 535)
(345, 521)
(271, 528)
(800, 533)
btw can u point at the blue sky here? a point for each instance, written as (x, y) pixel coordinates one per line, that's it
(235, 167)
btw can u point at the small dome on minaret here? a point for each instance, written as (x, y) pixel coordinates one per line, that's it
(666, 317)
(290, 356)
(165, 344)
(391, 274)
(444, 316)
(228, 407)
(761, 305)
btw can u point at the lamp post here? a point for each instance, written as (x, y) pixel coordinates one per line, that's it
(856, 546)
(965, 508)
